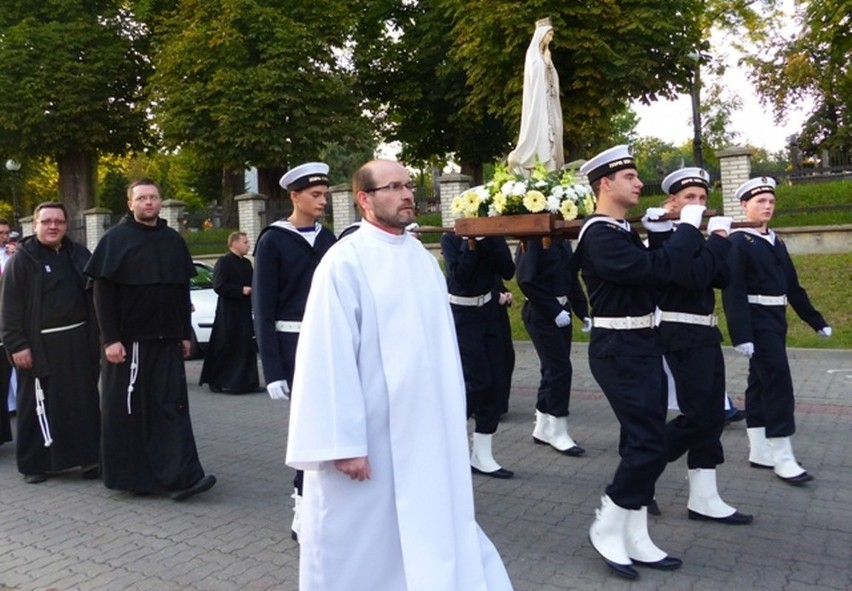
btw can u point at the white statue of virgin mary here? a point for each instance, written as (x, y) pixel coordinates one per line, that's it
(541, 113)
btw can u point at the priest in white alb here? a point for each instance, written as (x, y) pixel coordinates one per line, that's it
(378, 420)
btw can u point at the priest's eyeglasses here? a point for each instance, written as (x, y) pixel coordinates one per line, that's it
(394, 186)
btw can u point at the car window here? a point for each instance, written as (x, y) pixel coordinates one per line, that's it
(204, 278)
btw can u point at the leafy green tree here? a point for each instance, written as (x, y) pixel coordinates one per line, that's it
(70, 81)
(607, 54)
(256, 82)
(417, 90)
(812, 63)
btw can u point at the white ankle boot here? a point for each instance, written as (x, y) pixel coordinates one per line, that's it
(759, 455)
(482, 460)
(785, 465)
(705, 504)
(640, 548)
(553, 431)
(608, 536)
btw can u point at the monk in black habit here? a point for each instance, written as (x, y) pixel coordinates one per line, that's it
(49, 331)
(141, 270)
(230, 362)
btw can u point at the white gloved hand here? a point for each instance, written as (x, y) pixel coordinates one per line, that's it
(650, 223)
(745, 349)
(719, 223)
(278, 390)
(587, 325)
(691, 214)
(563, 319)
(824, 332)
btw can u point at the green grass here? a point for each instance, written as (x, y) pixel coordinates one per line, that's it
(826, 277)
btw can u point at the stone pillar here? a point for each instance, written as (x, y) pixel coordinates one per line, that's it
(343, 208)
(735, 166)
(26, 226)
(172, 212)
(97, 222)
(251, 209)
(452, 185)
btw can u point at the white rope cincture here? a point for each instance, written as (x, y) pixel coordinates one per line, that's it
(134, 371)
(41, 413)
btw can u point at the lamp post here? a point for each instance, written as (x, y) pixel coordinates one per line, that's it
(13, 166)
(695, 93)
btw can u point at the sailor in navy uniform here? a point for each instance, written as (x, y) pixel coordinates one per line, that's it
(470, 281)
(692, 348)
(286, 254)
(763, 282)
(622, 279)
(548, 279)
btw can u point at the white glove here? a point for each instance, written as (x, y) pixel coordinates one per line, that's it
(719, 222)
(745, 349)
(278, 390)
(563, 319)
(650, 223)
(412, 227)
(691, 214)
(824, 332)
(587, 325)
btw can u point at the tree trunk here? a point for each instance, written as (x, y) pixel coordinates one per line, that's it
(473, 170)
(233, 184)
(279, 205)
(77, 174)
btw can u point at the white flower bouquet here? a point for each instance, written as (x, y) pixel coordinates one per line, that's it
(509, 193)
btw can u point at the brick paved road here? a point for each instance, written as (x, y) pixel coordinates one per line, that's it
(70, 534)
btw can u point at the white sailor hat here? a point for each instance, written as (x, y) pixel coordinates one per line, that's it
(304, 176)
(608, 162)
(686, 177)
(755, 186)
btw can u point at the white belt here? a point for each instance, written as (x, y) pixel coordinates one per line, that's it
(624, 322)
(62, 328)
(288, 326)
(471, 300)
(562, 300)
(685, 318)
(765, 300)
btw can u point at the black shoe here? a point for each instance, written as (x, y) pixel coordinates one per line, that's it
(760, 466)
(500, 473)
(214, 389)
(571, 451)
(622, 570)
(204, 484)
(736, 518)
(734, 415)
(794, 480)
(654, 508)
(90, 472)
(34, 478)
(667, 563)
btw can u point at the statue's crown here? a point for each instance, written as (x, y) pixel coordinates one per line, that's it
(543, 22)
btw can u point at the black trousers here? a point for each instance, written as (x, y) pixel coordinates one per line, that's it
(699, 377)
(769, 397)
(553, 346)
(635, 390)
(482, 355)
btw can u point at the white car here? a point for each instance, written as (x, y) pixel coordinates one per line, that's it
(204, 301)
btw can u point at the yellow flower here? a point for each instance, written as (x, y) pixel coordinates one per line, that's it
(471, 202)
(568, 209)
(589, 204)
(535, 201)
(457, 205)
(499, 201)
